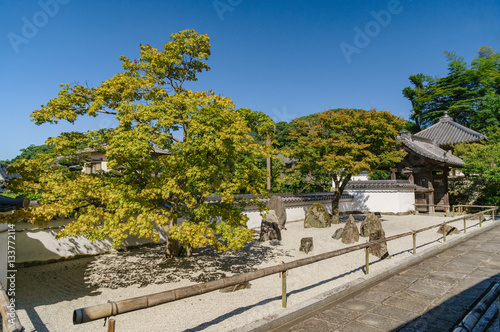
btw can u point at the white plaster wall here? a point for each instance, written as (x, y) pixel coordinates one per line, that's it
(38, 244)
(389, 201)
(296, 213)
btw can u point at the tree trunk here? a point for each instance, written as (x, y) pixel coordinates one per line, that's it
(173, 248)
(335, 206)
(340, 184)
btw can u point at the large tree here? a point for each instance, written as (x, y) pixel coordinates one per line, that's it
(337, 144)
(469, 93)
(482, 168)
(172, 148)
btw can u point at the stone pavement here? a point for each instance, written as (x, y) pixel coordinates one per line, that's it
(433, 295)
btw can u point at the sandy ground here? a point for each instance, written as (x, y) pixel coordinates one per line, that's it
(48, 294)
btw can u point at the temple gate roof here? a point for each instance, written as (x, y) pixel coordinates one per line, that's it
(447, 132)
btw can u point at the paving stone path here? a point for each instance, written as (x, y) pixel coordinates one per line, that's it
(433, 295)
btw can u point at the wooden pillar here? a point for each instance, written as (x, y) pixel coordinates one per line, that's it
(431, 196)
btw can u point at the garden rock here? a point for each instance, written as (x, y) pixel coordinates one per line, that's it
(370, 225)
(269, 229)
(351, 232)
(276, 204)
(379, 249)
(317, 217)
(338, 234)
(448, 230)
(306, 244)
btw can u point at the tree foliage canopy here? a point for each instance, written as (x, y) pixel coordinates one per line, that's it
(482, 165)
(30, 152)
(336, 144)
(469, 93)
(210, 148)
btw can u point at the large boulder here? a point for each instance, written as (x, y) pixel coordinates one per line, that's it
(379, 249)
(351, 232)
(269, 229)
(317, 217)
(370, 225)
(276, 204)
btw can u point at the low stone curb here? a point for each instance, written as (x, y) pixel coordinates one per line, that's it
(306, 307)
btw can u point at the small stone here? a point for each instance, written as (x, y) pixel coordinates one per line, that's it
(317, 217)
(338, 234)
(306, 244)
(448, 230)
(351, 232)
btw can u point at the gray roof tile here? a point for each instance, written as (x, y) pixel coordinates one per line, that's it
(427, 148)
(447, 132)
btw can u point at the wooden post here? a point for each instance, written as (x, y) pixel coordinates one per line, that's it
(480, 220)
(268, 143)
(431, 196)
(367, 263)
(283, 289)
(444, 233)
(111, 325)
(465, 225)
(414, 243)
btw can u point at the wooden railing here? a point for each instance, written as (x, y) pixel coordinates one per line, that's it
(462, 208)
(111, 308)
(10, 321)
(445, 208)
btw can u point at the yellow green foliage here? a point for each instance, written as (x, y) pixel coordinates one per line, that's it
(336, 144)
(172, 147)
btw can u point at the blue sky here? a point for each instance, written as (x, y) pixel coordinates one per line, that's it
(285, 58)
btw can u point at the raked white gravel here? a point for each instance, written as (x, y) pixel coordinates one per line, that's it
(48, 294)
